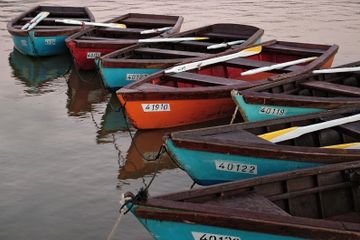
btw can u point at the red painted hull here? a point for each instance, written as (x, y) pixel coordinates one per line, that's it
(84, 57)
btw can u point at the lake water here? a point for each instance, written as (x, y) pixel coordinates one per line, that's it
(65, 154)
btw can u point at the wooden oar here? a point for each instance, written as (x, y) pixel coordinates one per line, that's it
(294, 132)
(180, 39)
(353, 145)
(96, 24)
(33, 22)
(185, 67)
(277, 66)
(225, 44)
(155, 30)
(337, 70)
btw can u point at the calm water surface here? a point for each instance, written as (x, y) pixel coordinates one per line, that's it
(65, 154)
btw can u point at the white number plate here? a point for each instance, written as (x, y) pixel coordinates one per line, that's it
(135, 76)
(23, 42)
(156, 107)
(50, 41)
(93, 55)
(272, 111)
(235, 167)
(211, 236)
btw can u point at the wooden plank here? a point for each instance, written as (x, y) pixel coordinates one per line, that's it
(237, 62)
(288, 48)
(50, 27)
(120, 30)
(225, 35)
(332, 87)
(196, 43)
(200, 78)
(148, 21)
(157, 51)
(52, 19)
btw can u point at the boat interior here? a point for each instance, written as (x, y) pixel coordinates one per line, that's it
(229, 72)
(75, 13)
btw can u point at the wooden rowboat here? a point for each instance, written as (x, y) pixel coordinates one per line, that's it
(316, 203)
(299, 95)
(124, 66)
(47, 37)
(92, 43)
(165, 100)
(234, 152)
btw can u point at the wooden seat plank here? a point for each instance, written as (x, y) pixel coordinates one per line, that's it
(287, 48)
(148, 21)
(332, 88)
(225, 35)
(158, 51)
(193, 77)
(257, 64)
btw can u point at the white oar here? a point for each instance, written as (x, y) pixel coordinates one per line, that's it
(294, 132)
(156, 40)
(96, 24)
(35, 21)
(337, 70)
(225, 44)
(155, 30)
(185, 67)
(353, 145)
(277, 66)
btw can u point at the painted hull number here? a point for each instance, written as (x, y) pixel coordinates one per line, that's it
(93, 55)
(272, 111)
(50, 41)
(135, 76)
(235, 167)
(156, 107)
(211, 236)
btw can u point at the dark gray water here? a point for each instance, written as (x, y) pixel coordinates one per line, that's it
(64, 159)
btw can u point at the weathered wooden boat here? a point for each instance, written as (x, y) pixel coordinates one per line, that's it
(165, 100)
(238, 151)
(315, 203)
(35, 72)
(91, 43)
(47, 37)
(124, 66)
(299, 95)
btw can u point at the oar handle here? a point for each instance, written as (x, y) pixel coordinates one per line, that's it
(337, 70)
(155, 30)
(277, 66)
(226, 44)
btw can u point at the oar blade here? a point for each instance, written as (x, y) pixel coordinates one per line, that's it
(337, 70)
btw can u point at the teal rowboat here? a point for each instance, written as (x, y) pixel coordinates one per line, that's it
(315, 203)
(47, 38)
(299, 95)
(235, 152)
(133, 63)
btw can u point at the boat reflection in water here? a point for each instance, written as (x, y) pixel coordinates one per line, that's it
(113, 120)
(85, 89)
(145, 145)
(35, 72)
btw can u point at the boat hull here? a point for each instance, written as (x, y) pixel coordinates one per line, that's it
(84, 57)
(38, 46)
(257, 112)
(115, 78)
(173, 113)
(164, 230)
(207, 168)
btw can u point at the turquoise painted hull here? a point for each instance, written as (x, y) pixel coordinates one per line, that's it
(40, 46)
(207, 168)
(115, 78)
(166, 230)
(258, 112)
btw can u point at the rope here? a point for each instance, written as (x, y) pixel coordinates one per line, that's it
(234, 115)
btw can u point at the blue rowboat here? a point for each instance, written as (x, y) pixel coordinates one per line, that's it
(235, 152)
(133, 63)
(299, 95)
(47, 38)
(314, 203)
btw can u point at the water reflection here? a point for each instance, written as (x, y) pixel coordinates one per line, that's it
(84, 90)
(35, 72)
(113, 119)
(145, 144)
